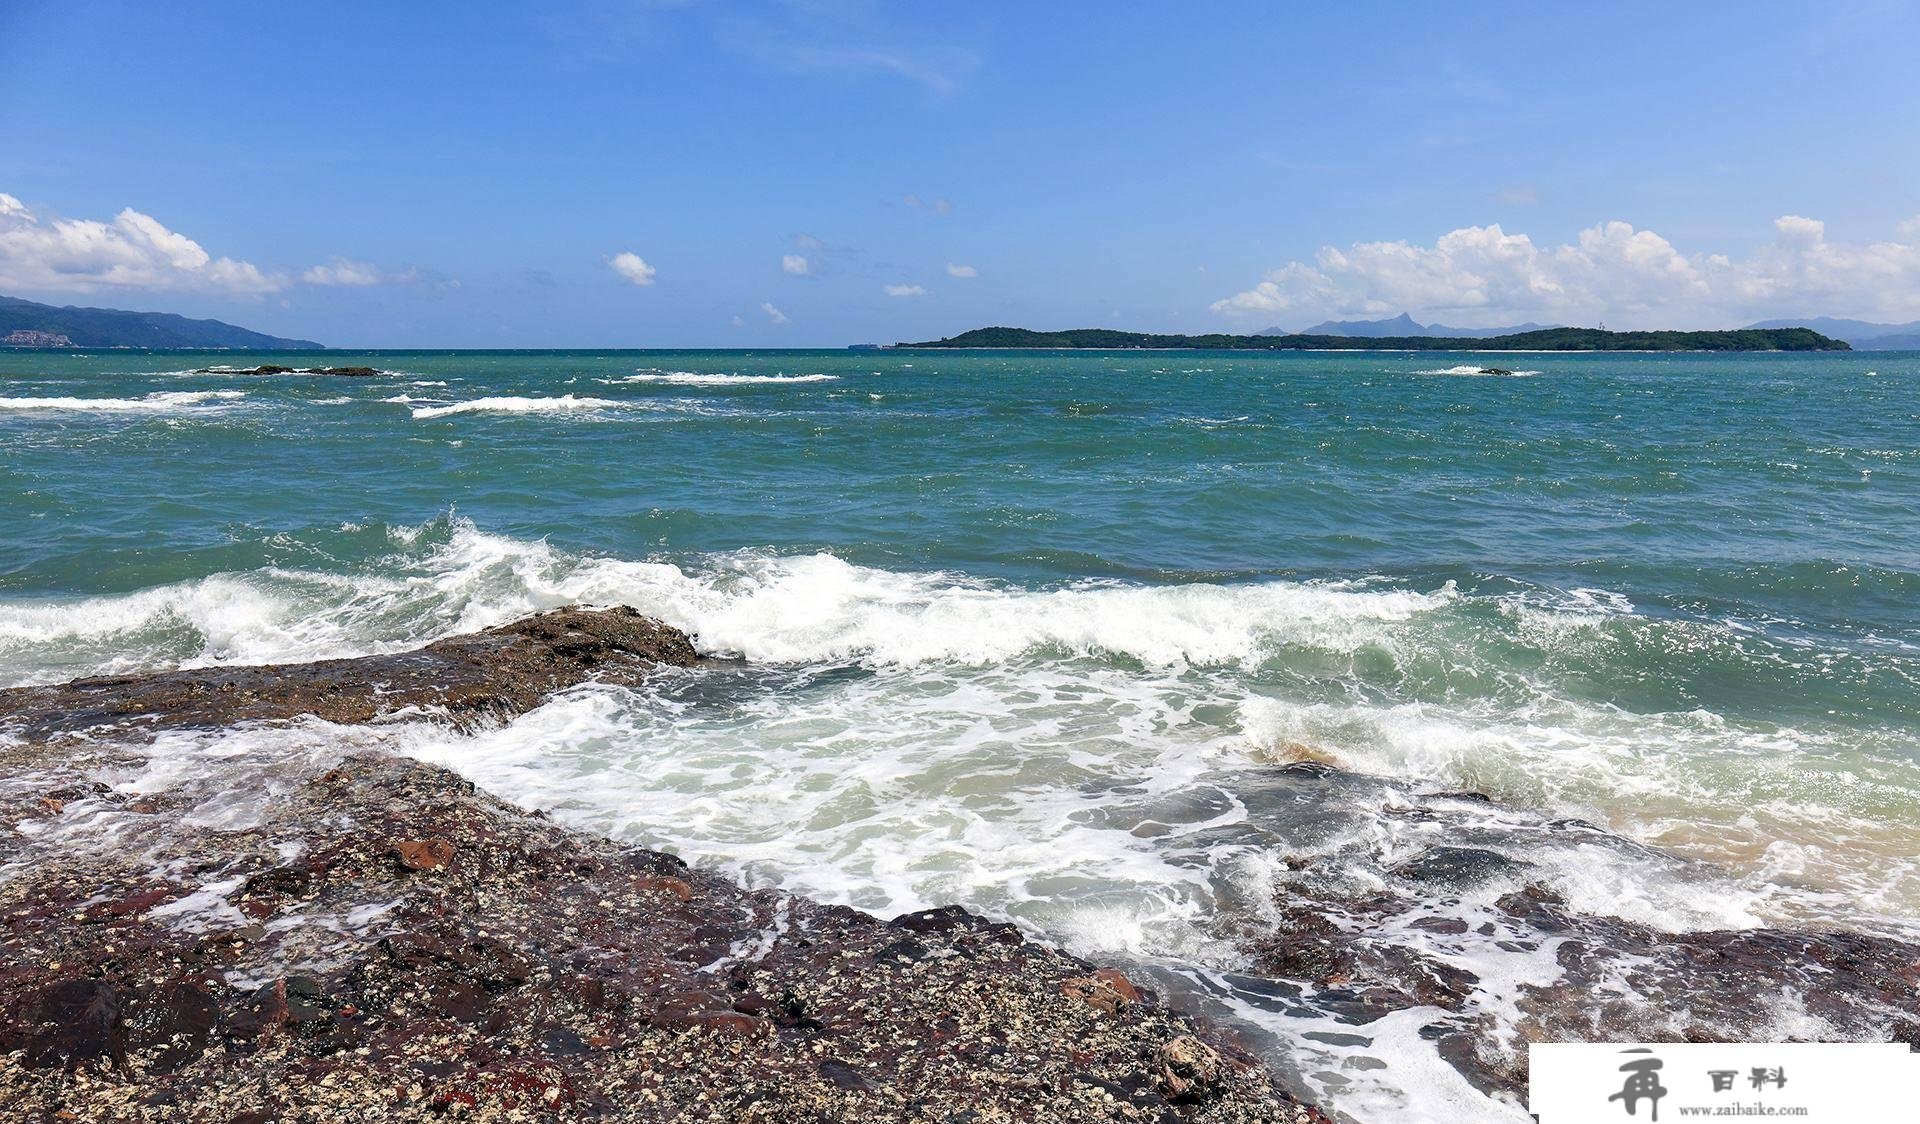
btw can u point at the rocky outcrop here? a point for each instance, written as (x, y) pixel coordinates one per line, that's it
(1470, 928)
(492, 674)
(368, 938)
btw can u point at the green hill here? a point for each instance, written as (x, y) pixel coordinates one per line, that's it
(111, 327)
(1546, 339)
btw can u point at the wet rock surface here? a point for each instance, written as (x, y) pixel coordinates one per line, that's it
(492, 674)
(1473, 932)
(371, 938)
(393, 944)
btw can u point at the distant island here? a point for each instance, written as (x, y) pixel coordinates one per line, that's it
(26, 323)
(1864, 335)
(1405, 325)
(1545, 339)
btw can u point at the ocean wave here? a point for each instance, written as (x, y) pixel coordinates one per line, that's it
(1430, 684)
(158, 402)
(1083, 760)
(1482, 371)
(697, 378)
(450, 576)
(515, 404)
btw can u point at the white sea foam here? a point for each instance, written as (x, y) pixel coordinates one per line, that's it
(1063, 758)
(699, 378)
(515, 404)
(170, 401)
(1474, 371)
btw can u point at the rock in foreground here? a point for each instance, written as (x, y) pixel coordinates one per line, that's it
(392, 945)
(367, 938)
(492, 674)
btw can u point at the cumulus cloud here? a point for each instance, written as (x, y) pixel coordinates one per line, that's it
(808, 242)
(938, 206)
(1612, 272)
(343, 272)
(795, 264)
(632, 267)
(903, 290)
(774, 315)
(134, 251)
(1910, 228)
(962, 271)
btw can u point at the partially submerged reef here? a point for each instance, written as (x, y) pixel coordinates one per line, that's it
(345, 935)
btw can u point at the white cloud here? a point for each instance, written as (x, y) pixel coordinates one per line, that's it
(1910, 228)
(1482, 275)
(1518, 195)
(134, 251)
(903, 290)
(739, 321)
(938, 206)
(1799, 231)
(808, 242)
(632, 267)
(774, 315)
(795, 264)
(963, 271)
(343, 272)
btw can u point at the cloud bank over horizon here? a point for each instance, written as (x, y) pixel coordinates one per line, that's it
(1482, 276)
(133, 251)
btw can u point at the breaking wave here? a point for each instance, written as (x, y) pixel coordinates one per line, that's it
(696, 378)
(158, 402)
(513, 404)
(1471, 370)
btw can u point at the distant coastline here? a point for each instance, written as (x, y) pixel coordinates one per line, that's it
(30, 325)
(1548, 339)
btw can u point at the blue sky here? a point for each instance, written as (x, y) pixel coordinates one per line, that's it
(471, 174)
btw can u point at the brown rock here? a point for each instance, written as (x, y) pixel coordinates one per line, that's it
(1107, 991)
(1189, 1069)
(674, 886)
(424, 854)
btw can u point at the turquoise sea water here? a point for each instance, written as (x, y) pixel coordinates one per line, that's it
(990, 594)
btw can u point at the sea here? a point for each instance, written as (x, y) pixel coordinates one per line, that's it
(1016, 630)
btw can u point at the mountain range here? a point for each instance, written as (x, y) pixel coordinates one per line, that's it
(1546, 339)
(1864, 335)
(38, 325)
(1402, 326)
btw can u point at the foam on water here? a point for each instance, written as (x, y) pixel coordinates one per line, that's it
(1481, 371)
(697, 378)
(171, 401)
(1283, 665)
(516, 404)
(1076, 759)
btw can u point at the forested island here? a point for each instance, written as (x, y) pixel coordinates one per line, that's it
(1546, 339)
